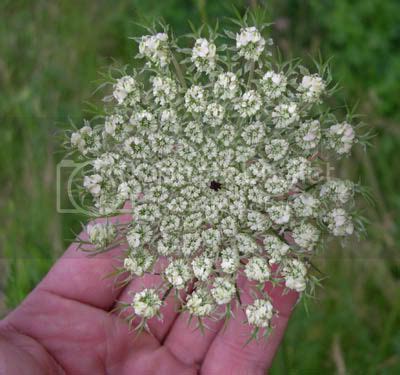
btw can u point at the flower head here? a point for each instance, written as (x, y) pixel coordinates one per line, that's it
(223, 172)
(259, 314)
(250, 43)
(155, 48)
(203, 55)
(146, 303)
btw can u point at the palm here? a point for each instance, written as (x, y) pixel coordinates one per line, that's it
(65, 325)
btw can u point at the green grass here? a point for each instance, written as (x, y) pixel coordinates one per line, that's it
(51, 55)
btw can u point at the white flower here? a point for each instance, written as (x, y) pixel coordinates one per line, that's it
(126, 91)
(284, 115)
(164, 90)
(339, 222)
(190, 243)
(305, 205)
(279, 213)
(223, 290)
(277, 185)
(214, 114)
(211, 237)
(139, 235)
(246, 244)
(138, 262)
(146, 303)
(142, 119)
(276, 248)
(93, 184)
(80, 138)
(311, 88)
(276, 149)
(260, 313)
(294, 273)
(178, 273)
(155, 48)
(224, 177)
(101, 234)
(249, 104)
(229, 260)
(273, 84)
(254, 133)
(203, 55)
(298, 169)
(308, 135)
(168, 117)
(195, 99)
(250, 43)
(257, 221)
(257, 269)
(202, 267)
(199, 303)
(226, 86)
(168, 245)
(337, 191)
(341, 138)
(306, 235)
(112, 123)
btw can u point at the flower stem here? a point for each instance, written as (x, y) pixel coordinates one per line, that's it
(178, 71)
(251, 74)
(164, 297)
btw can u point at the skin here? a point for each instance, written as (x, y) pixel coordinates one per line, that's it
(65, 327)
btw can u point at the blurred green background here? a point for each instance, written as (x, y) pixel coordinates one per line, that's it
(51, 53)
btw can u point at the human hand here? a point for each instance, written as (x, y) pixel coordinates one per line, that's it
(65, 326)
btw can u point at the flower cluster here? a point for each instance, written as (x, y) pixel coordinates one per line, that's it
(222, 159)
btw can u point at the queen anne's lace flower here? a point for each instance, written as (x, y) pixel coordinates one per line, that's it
(308, 135)
(276, 248)
(200, 303)
(341, 137)
(126, 91)
(164, 90)
(339, 222)
(311, 88)
(305, 205)
(223, 290)
(214, 114)
(273, 84)
(260, 313)
(178, 273)
(249, 104)
(138, 262)
(146, 303)
(80, 138)
(276, 149)
(337, 191)
(257, 269)
(306, 236)
(223, 171)
(195, 100)
(294, 273)
(155, 49)
(203, 55)
(284, 115)
(250, 43)
(229, 260)
(101, 234)
(226, 86)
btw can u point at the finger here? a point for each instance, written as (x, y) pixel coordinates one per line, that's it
(187, 342)
(169, 311)
(80, 277)
(228, 352)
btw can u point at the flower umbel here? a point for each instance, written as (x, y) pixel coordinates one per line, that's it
(221, 154)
